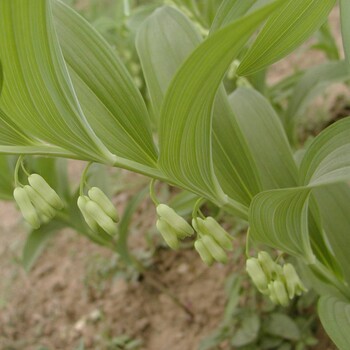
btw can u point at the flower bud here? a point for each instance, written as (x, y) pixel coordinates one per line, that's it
(257, 275)
(44, 189)
(104, 202)
(82, 200)
(26, 207)
(214, 249)
(43, 218)
(203, 252)
(278, 293)
(40, 203)
(294, 285)
(168, 234)
(270, 267)
(179, 224)
(217, 232)
(96, 213)
(272, 294)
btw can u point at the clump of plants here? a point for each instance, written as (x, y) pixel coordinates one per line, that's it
(205, 121)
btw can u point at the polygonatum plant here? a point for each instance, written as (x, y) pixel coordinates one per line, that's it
(65, 93)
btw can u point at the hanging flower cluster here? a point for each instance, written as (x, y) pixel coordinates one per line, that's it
(280, 283)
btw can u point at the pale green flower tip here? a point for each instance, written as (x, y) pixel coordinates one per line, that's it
(203, 252)
(26, 207)
(168, 234)
(271, 268)
(81, 202)
(294, 284)
(280, 292)
(98, 196)
(194, 224)
(214, 249)
(257, 275)
(179, 224)
(96, 213)
(272, 294)
(46, 191)
(209, 226)
(40, 204)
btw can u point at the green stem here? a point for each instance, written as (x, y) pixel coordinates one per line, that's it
(196, 207)
(247, 245)
(152, 192)
(18, 164)
(321, 270)
(83, 179)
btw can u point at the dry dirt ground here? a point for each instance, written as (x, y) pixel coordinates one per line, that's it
(66, 299)
(62, 300)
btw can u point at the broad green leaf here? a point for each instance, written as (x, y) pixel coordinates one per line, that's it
(266, 139)
(183, 203)
(44, 150)
(335, 318)
(234, 165)
(229, 11)
(284, 31)
(163, 42)
(326, 42)
(314, 81)
(176, 38)
(11, 134)
(333, 202)
(185, 128)
(281, 325)
(319, 240)
(345, 28)
(110, 100)
(37, 93)
(1, 78)
(327, 159)
(6, 178)
(248, 332)
(36, 243)
(279, 218)
(289, 220)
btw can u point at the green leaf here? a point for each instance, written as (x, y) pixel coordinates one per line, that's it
(183, 203)
(345, 28)
(6, 178)
(229, 11)
(110, 100)
(36, 243)
(1, 78)
(266, 139)
(284, 31)
(234, 165)
(279, 218)
(163, 43)
(185, 128)
(176, 38)
(248, 332)
(333, 202)
(44, 150)
(313, 82)
(11, 134)
(335, 317)
(280, 325)
(327, 159)
(37, 93)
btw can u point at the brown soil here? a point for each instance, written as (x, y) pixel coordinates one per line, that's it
(63, 299)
